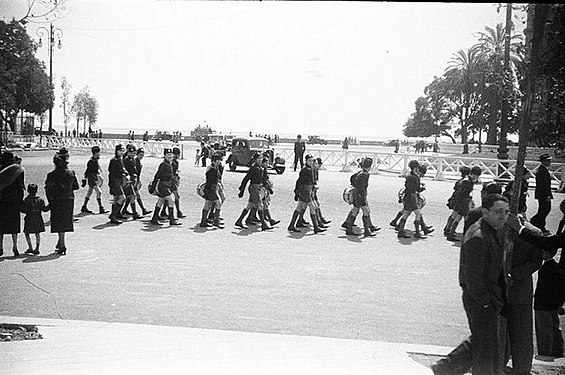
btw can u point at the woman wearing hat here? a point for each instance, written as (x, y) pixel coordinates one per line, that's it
(543, 193)
(93, 178)
(11, 197)
(60, 185)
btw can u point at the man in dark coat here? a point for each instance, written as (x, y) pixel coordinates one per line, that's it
(299, 150)
(543, 193)
(117, 179)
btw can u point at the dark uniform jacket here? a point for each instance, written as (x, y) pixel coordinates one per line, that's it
(254, 176)
(92, 171)
(543, 183)
(165, 176)
(360, 183)
(213, 178)
(304, 183)
(480, 265)
(116, 176)
(299, 147)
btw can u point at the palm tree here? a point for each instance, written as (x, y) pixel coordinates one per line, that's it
(462, 75)
(491, 49)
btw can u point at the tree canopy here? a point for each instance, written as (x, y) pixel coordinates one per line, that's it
(24, 84)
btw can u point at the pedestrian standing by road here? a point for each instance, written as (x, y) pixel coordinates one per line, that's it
(360, 201)
(11, 197)
(543, 193)
(481, 276)
(60, 185)
(254, 176)
(93, 178)
(163, 184)
(117, 179)
(461, 202)
(32, 207)
(299, 150)
(412, 186)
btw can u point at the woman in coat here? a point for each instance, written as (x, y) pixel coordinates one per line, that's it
(59, 189)
(11, 197)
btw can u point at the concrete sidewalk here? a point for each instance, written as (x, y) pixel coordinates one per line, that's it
(85, 347)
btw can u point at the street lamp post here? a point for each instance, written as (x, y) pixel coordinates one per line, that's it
(51, 34)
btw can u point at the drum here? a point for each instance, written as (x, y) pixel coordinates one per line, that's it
(348, 194)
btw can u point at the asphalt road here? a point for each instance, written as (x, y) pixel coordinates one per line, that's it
(329, 284)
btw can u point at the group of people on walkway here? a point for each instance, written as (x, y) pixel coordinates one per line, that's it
(60, 185)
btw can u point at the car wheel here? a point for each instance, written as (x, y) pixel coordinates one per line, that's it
(280, 170)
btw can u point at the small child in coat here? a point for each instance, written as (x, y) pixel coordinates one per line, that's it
(33, 206)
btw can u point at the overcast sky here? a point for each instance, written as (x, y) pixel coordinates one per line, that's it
(328, 68)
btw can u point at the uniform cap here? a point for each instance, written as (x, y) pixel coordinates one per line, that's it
(545, 157)
(167, 151)
(176, 150)
(95, 149)
(119, 147)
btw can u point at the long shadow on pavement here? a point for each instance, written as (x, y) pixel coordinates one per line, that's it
(41, 258)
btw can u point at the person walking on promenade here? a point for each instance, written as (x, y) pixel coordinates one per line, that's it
(60, 185)
(132, 178)
(465, 172)
(32, 207)
(176, 184)
(412, 186)
(522, 206)
(254, 176)
(93, 179)
(267, 191)
(11, 197)
(197, 158)
(481, 276)
(299, 150)
(543, 193)
(303, 195)
(421, 201)
(213, 201)
(117, 179)
(140, 153)
(163, 183)
(317, 165)
(360, 202)
(461, 202)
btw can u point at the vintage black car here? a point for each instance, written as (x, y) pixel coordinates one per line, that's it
(316, 140)
(243, 148)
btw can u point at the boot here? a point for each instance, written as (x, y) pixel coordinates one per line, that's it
(264, 225)
(101, 208)
(317, 228)
(217, 222)
(124, 210)
(291, 227)
(172, 220)
(322, 220)
(163, 214)
(371, 226)
(401, 232)
(155, 218)
(344, 224)
(114, 215)
(143, 210)
(301, 223)
(204, 220)
(367, 225)
(251, 218)
(84, 208)
(447, 226)
(268, 216)
(179, 213)
(451, 236)
(417, 233)
(349, 225)
(239, 222)
(394, 222)
(136, 216)
(427, 230)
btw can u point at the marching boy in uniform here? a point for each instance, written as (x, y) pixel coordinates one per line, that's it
(93, 179)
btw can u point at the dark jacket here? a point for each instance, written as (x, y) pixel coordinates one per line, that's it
(526, 259)
(543, 183)
(165, 176)
(60, 185)
(550, 289)
(480, 265)
(254, 176)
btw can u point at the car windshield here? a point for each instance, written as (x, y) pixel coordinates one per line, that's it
(258, 143)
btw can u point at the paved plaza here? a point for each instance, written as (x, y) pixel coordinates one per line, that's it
(276, 289)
